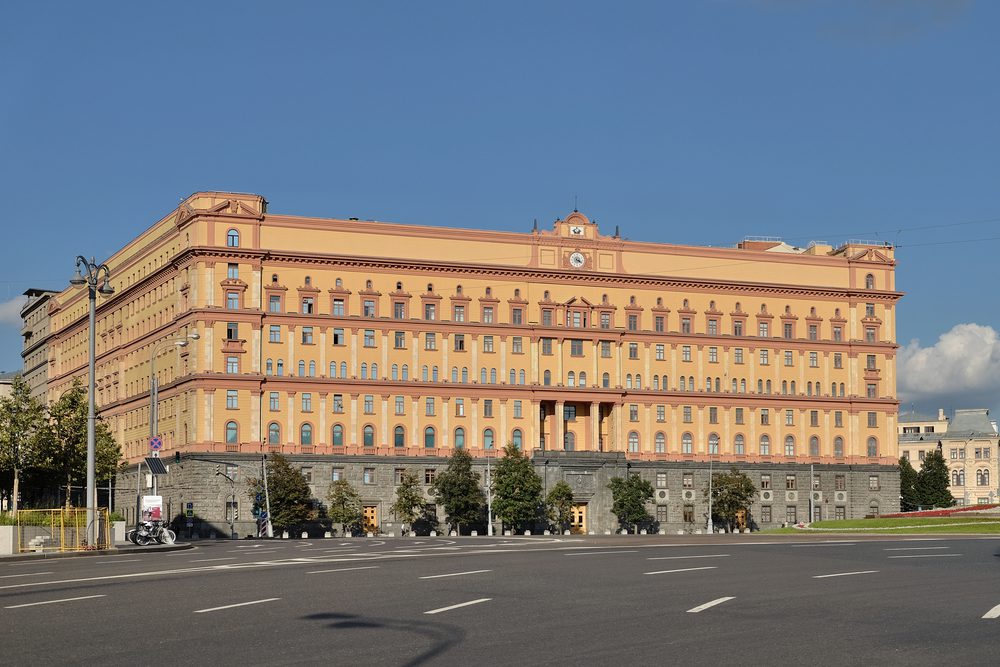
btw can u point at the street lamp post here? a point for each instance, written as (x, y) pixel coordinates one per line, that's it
(154, 402)
(489, 496)
(94, 273)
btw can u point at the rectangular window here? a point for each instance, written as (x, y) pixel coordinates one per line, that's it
(517, 316)
(337, 474)
(689, 514)
(400, 405)
(338, 337)
(838, 333)
(429, 406)
(660, 352)
(765, 417)
(791, 482)
(661, 514)
(762, 329)
(576, 348)
(788, 358)
(487, 343)
(369, 338)
(369, 404)
(487, 407)
(274, 334)
(738, 415)
(687, 481)
(871, 390)
(685, 353)
(713, 326)
(765, 481)
(516, 345)
(840, 512)
(458, 313)
(397, 477)
(274, 304)
(546, 346)
(737, 327)
(765, 514)
(307, 402)
(870, 362)
(872, 419)
(738, 355)
(338, 403)
(399, 340)
(763, 357)
(517, 409)
(873, 483)
(789, 417)
(459, 342)
(569, 413)
(546, 317)
(605, 320)
(430, 474)
(658, 323)
(430, 341)
(368, 477)
(661, 413)
(686, 414)
(232, 364)
(686, 325)
(338, 307)
(430, 311)
(786, 330)
(791, 514)
(869, 310)
(814, 360)
(273, 401)
(399, 310)
(232, 399)
(633, 350)
(232, 300)
(838, 419)
(606, 349)
(713, 415)
(487, 314)
(633, 412)
(308, 305)
(233, 271)
(459, 407)
(813, 332)
(713, 355)
(232, 331)
(633, 322)
(814, 417)
(307, 335)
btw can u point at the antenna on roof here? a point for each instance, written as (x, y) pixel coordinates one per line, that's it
(616, 231)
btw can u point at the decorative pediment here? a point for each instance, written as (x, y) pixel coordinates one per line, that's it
(871, 255)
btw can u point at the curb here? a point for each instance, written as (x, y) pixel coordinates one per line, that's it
(92, 554)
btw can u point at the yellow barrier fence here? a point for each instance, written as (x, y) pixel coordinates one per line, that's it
(61, 530)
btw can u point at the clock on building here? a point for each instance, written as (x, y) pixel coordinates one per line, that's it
(577, 260)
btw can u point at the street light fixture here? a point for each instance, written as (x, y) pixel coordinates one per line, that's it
(154, 403)
(94, 273)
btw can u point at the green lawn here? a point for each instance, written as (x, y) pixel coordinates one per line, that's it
(902, 525)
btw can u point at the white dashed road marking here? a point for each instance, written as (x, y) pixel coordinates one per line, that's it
(703, 607)
(686, 569)
(843, 574)
(927, 556)
(914, 548)
(453, 574)
(456, 606)
(207, 560)
(600, 553)
(35, 604)
(993, 613)
(683, 557)
(32, 574)
(345, 569)
(119, 560)
(239, 604)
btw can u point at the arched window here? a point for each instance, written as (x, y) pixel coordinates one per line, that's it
(312, 369)
(768, 386)
(302, 368)
(571, 379)
(343, 369)
(633, 441)
(789, 445)
(687, 443)
(369, 436)
(459, 438)
(809, 388)
(232, 433)
(979, 478)
(814, 446)
(516, 438)
(583, 379)
(743, 386)
(338, 435)
(547, 378)
(628, 381)
(872, 447)
(488, 439)
(465, 375)
(986, 477)
(713, 443)
(429, 437)
(482, 376)
(269, 367)
(273, 433)
(735, 386)
(784, 387)
(760, 386)
(425, 373)
(869, 281)
(493, 376)
(765, 445)
(405, 372)
(841, 389)
(739, 445)
(638, 381)
(606, 381)
(833, 388)
(374, 371)
(954, 478)
(394, 371)
(232, 239)
(708, 384)
(683, 383)
(656, 382)
(454, 374)
(663, 383)
(838, 446)
(364, 371)
(399, 437)
(873, 508)
(569, 441)
(794, 392)
(333, 369)
(281, 367)
(520, 376)
(660, 442)
(513, 377)
(306, 434)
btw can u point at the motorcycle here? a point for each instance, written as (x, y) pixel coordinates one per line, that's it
(148, 532)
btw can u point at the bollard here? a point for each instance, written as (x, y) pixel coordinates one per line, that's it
(527, 532)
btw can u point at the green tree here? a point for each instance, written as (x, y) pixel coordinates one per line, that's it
(344, 505)
(459, 491)
(291, 502)
(517, 489)
(409, 503)
(559, 505)
(62, 451)
(932, 482)
(628, 500)
(731, 492)
(907, 486)
(22, 427)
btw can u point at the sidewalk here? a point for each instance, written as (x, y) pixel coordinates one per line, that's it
(118, 550)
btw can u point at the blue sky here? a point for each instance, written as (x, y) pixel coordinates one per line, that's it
(684, 122)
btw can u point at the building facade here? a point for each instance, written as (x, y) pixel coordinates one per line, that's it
(970, 445)
(35, 332)
(360, 345)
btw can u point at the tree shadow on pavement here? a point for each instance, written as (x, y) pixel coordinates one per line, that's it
(442, 637)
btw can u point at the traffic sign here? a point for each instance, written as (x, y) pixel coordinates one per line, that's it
(155, 443)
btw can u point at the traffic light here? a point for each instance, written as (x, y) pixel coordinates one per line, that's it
(236, 513)
(177, 457)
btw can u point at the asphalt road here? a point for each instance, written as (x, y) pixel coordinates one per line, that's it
(732, 599)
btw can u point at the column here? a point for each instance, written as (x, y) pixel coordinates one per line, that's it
(559, 436)
(595, 427)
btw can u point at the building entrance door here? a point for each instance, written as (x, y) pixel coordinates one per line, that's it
(370, 519)
(578, 522)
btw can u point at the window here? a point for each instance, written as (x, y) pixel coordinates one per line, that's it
(838, 446)
(517, 438)
(689, 514)
(872, 419)
(430, 311)
(871, 390)
(838, 333)
(763, 357)
(488, 407)
(788, 357)
(232, 433)
(687, 444)
(430, 474)
(789, 417)
(517, 316)
(368, 434)
(685, 353)
(429, 406)
(633, 412)
(232, 364)
(399, 340)
(838, 419)
(516, 345)
(658, 323)
(459, 342)
(869, 310)
(762, 329)
(738, 355)
(633, 322)
(739, 445)
(488, 439)
(400, 405)
(232, 300)
(274, 303)
(869, 334)
(307, 335)
(765, 514)
(368, 477)
(791, 482)
(576, 348)
(789, 446)
(661, 413)
(765, 481)
(686, 414)
(606, 349)
(738, 415)
(605, 320)
(306, 435)
(338, 403)
(458, 313)
(786, 330)
(338, 435)
(738, 327)
(764, 417)
(765, 445)
(633, 350)
(232, 239)
(872, 447)
(338, 307)
(814, 417)
(713, 326)
(687, 481)
(367, 308)
(546, 317)
(660, 446)
(369, 338)
(459, 438)
(517, 410)
(399, 310)
(713, 443)
(307, 404)
(791, 514)
(369, 404)
(713, 355)
(873, 483)
(429, 437)
(633, 441)
(713, 415)
(686, 325)
(869, 281)
(813, 360)
(813, 332)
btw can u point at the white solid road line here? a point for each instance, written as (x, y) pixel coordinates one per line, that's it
(240, 604)
(600, 553)
(456, 606)
(844, 574)
(926, 556)
(453, 574)
(826, 544)
(683, 557)
(345, 569)
(914, 548)
(993, 613)
(703, 607)
(118, 560)
(35, 604)
(32, 574)
(686, 569)
(207, 560)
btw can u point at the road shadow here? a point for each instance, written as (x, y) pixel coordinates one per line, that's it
(441, 636)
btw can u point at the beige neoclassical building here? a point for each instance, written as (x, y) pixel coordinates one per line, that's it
(361, 346)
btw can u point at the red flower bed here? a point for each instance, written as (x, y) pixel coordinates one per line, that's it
(942, 512)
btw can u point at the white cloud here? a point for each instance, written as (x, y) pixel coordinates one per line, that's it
(10, 312)
(962, 369)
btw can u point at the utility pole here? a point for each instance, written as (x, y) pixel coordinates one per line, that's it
(812, 487)
(710, 526)
(267, 499)
(489, 497)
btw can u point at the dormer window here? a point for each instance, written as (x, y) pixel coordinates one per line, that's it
(458, 290)
(338, 283)
(399, 287)
(489, 291)
(430, 287)
(517, 293)
(368, 284)
(274, 278)
(308, 281)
